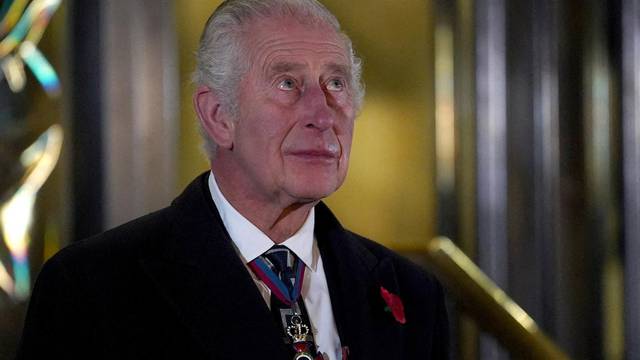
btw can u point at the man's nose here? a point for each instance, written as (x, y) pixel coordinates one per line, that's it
(318, 112)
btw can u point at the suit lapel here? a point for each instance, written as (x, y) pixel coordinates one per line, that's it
(200, 275)
(354, 276)
(207, 284)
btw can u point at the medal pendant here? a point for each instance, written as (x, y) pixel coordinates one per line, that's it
(302, 356)
(302, 351)
(298, 333)
(297, 330)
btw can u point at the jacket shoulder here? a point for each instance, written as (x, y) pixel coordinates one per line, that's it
(132, 238)
(402, 264)
(111, 255)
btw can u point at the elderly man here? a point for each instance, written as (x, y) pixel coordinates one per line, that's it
(247, 262)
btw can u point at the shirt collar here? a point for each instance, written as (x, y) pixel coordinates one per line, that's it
(251, 242)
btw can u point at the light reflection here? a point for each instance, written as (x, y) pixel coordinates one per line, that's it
(13, 11)
(23, 39)
(13, 70)
(40, 67)
(16, 216)
(6, 282)
(444, 91)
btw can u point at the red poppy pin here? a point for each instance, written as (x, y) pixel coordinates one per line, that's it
(394, 305)
(345, 352)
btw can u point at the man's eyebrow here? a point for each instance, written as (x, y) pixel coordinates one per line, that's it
(284, 67)
(340, 69)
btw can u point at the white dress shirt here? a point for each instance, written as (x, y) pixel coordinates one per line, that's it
(250, 243)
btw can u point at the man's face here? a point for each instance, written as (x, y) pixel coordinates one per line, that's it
(296, 112)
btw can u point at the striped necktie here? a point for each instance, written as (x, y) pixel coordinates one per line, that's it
(283, 272)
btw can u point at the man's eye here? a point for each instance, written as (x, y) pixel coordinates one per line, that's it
(287, 84)
(335, 85)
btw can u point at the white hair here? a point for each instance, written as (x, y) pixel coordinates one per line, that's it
(221, 60)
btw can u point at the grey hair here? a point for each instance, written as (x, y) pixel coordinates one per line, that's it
(220, 58)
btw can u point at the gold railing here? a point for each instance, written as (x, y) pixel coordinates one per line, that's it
(487, 304)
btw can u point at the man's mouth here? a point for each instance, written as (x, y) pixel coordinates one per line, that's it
(315, 154)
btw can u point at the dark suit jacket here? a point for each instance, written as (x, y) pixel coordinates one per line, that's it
(169, 285)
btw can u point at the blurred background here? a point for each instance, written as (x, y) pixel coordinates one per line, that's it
(511, 127)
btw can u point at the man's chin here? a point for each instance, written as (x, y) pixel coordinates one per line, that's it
(307, 193)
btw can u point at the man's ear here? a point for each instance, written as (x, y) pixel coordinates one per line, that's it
(215, 121)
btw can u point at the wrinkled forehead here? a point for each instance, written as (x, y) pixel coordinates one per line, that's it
(273, 40)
